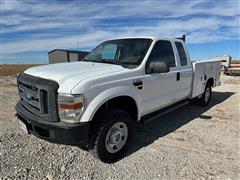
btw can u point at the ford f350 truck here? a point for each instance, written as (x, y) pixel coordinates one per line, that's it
(121, 81)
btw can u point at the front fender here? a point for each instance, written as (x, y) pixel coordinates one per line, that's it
(108, 94)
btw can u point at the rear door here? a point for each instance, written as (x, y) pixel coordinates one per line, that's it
(160, 89)
(184, 74)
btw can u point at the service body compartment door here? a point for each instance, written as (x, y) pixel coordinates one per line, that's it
(218, 73)
(203, 71)
(199, 79)
(213, 70)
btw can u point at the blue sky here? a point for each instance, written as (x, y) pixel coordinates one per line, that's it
(29, 29)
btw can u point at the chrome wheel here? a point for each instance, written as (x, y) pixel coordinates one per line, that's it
(207, 94)
(116, 137)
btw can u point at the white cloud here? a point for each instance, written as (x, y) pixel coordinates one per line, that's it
(95, 21)
(86, 40)
(7, 5)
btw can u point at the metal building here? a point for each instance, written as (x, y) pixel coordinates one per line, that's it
(62, 55)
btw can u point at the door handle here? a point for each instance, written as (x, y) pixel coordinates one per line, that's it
(178, 76)
(138, 83)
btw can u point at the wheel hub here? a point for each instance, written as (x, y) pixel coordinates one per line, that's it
(116, 137)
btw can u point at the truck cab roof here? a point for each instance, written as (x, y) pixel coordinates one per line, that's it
(154, 38)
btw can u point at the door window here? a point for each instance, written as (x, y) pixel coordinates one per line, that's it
(181, 53)
(162, 51)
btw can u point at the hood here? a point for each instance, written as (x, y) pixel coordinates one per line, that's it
(74, 72)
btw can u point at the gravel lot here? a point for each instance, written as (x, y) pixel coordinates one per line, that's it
(190, 143)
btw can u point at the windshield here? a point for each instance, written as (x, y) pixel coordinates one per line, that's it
(125, 52)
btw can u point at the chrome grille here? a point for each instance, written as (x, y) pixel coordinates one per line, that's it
(38, 96)
(29, 95)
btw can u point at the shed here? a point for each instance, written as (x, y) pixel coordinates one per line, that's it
(62, 55)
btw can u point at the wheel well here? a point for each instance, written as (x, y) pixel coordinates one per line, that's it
(211, 81)
(125, 103)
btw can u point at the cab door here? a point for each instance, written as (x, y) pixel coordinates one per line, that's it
(185, 73)
(160, 89)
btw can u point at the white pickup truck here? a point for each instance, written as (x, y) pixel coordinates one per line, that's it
(121, 81)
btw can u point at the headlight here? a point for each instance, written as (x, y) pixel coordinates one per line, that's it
(70, 107)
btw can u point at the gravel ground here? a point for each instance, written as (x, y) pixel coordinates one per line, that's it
(190, 143)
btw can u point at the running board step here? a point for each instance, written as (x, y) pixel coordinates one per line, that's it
(161, 112)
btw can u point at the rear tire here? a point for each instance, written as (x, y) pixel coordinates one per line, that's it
(110, 134)
(206, 96)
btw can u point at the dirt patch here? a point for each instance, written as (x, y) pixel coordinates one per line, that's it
(14, 69)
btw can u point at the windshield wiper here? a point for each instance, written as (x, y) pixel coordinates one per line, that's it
(111, 62)
(90, 60)
(102, 61)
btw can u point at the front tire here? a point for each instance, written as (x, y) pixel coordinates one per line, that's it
(110, 134)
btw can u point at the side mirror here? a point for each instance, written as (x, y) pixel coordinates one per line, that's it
(158, 67)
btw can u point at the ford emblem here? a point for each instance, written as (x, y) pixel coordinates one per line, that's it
(29, 97)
